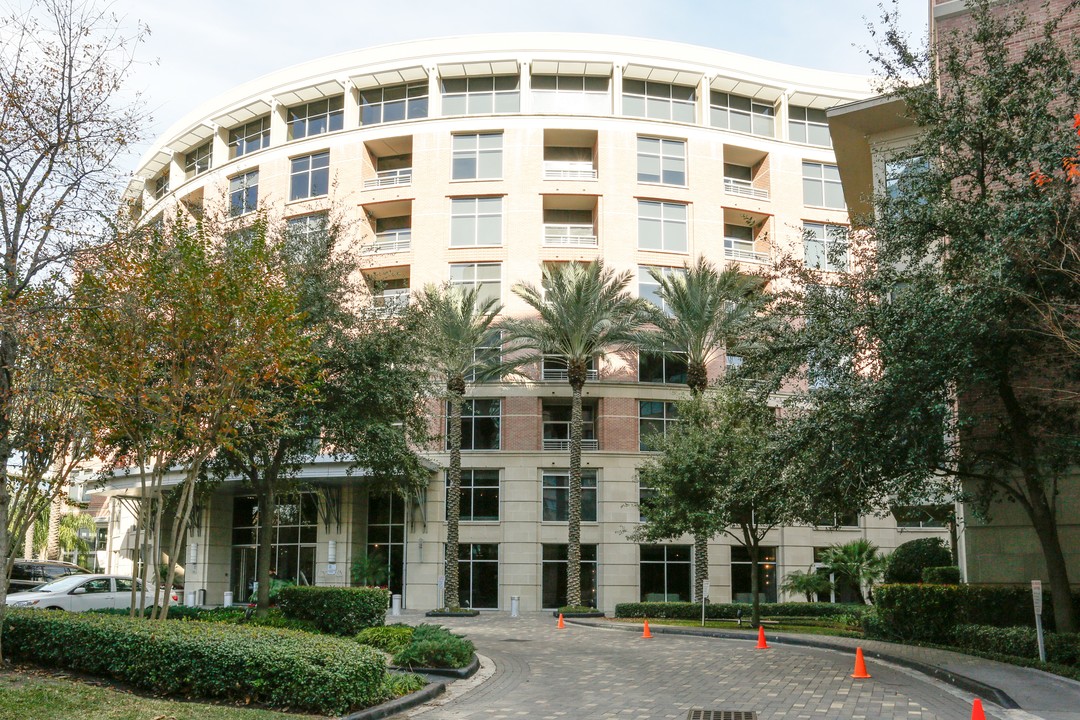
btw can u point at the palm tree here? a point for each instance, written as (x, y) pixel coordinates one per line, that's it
(704, 311)
(584, 311)
(455, 324)
(858, 562)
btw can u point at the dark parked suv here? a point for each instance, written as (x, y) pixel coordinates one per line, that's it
(28, 574)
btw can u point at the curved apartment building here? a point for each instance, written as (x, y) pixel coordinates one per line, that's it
(475, 160)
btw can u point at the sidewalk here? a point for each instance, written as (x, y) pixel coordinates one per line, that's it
(1010, 686)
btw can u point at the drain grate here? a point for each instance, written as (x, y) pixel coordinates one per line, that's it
(699, 714)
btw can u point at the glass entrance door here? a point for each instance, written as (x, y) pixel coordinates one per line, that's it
(386, 538)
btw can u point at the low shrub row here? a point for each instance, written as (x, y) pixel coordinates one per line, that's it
(232, 615)
(280, 668)
(388, 638)
(944, 575)
(1062, 648)
(720, 611)
(433, 646)
(335, 610)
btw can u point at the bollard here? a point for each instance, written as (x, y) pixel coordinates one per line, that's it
(191, 599)
(228, 599)
(395, 605)
(200, 597)
(515, 606)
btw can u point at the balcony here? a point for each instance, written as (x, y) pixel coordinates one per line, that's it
(389, 178)
(554, 368)
(569, 235)
(390, 303)
(390, 241)
(568, 170)
(560, 445)
(735, 186)
(737, 249)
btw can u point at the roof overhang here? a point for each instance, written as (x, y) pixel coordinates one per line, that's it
(571, 67)
(649, 73)
(310, 93)
(479, 69)
(755, 91)
(398, 76)
(244, 113)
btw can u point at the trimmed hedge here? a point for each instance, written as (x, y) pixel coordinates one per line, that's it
(721, 611)
(336, 610)
(388, 638)
(433, 646)
(280, 668)
(906, 563)
(929, 613)
(1062, 648)
(945, 575)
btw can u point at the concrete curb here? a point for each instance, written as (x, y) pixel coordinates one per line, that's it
(456, 673)
(393, 707)
(976, 687)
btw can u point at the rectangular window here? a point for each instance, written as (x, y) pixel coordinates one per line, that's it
(243, 193)
(665, 573)
(161, 185)
(554, 576)
(393, 103)
(556, 495)
(198, 161)
(921, 516)
(249, 137)
(475, 221)
(480, 421)
(648, 288)
(741, 114)
(486, 276)
(741, 576)
(481, 95)
(903, 174)
(479, 495)
(478, 573)
(661, 161)
(821, 186)
(659, 101)
(849, 519)
(308, 229)
(316, 118)
(655, 418)
(575, 94)
(826, 246)
(310, 176)
(808, 126)
(477, 156)
(556, 422)
(657, 367)
(662, 226)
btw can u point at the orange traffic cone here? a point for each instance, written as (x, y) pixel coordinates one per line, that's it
(646, 634)
(977, 710)
(860, 666)
(561, 625)
(761, 644)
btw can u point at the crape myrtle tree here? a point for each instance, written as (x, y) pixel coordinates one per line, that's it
(716, 473)
(583, 312)
(704, 312)
(458, 332)
(183, 323)
(929, 358)
(64, 120)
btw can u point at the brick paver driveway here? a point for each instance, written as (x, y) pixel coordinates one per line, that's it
(584, 672)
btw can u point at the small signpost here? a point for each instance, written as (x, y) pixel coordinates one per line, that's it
(1037, 601)
(704, 597)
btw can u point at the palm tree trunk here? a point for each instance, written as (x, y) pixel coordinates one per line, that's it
(451, 595)
(28, 542)
(573, 543)
(701, 564)
(52, 542)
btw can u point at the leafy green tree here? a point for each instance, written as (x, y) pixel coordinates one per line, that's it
(584, 312)
(453, 325)
(930, 361)
(704, 312)
(67, 535)
(810, 584)
(715, 473)
(857, 562)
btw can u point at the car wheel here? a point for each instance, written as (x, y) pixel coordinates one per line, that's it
(55, 607)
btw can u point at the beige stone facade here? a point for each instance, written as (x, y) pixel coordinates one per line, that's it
(476, 160)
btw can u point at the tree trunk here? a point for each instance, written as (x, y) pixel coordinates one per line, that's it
(701, 564)
(573, 540)
(451, 588)
(755, 615)
(267, 510)
(8, 352)
(52, 542)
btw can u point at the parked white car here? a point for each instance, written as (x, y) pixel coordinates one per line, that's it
(83, 592)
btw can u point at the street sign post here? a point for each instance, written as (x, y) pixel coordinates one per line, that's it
(704, 597)
(1037, 602)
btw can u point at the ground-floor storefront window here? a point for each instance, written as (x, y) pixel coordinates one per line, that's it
(386, 537)
(741, 576)
(665, 573)
(554, 575)
(295, 535)
(478, 575)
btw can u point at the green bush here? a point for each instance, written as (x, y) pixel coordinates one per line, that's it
(433, 646)
(946, 575)
(1062, 648)
(398, 684)
(720, 611)
(336, 610)
(280, 668)
(905, 564)
(388, 638)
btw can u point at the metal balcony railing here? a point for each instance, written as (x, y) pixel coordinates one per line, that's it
(570, 235)
(390, 241)
(734, 186)
(564, 445)
(568, 170)
(389, 178)
(742, 250)
(560, 373)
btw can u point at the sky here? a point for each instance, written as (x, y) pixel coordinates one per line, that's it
(198, 49)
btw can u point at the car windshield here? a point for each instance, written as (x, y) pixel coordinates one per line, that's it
(63, 584)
